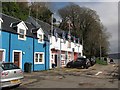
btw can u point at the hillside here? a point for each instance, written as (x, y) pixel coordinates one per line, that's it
(115, 55)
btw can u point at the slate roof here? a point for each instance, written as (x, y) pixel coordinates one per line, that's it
(32, 25)
(15, 24)
(47, 28)
(35, 24)
(11, 21)
(7, 20)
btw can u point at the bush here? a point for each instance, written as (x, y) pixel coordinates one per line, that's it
(101, 61)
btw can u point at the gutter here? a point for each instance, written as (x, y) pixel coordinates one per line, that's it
(45, 54)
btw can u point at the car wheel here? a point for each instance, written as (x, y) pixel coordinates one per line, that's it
(68, 66)
(82, 67)
(86, 66)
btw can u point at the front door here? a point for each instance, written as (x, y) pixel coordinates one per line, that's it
(56, 60)
(1, 55)
(17, 57)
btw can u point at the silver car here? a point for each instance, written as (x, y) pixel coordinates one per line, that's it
(10, 75)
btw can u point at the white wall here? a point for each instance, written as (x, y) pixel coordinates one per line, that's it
(1, 22)
(64, 46)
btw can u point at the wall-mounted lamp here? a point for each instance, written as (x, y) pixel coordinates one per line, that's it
(23, 53)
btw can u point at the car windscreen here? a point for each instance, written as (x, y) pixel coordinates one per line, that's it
(81, 59)
(9, 66)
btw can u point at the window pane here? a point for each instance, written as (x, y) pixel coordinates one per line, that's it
(40, 37)
(40, 57)
(52, 56)
(21, 36)
(9, 66)
(36, 57)
(22, 33)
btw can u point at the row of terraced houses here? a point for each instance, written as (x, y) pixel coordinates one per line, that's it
(33, 41)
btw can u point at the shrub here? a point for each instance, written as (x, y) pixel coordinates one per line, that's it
(101, 61)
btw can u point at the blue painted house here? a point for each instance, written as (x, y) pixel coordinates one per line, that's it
(23, 42)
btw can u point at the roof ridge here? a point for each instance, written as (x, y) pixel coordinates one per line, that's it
(42, 21)
(50, 25)
(11, 17)
(15, 18)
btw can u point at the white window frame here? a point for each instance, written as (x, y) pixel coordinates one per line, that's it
(38, 58)
(39, 38)
(4, 54)
(20, 57)
(24, 34)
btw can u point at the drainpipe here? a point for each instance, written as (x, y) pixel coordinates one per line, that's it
(45, 54)
(33, 52)
(9, 47)
(60, 54)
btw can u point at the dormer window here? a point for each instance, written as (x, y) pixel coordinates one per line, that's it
(40, 35)
(40, 38)
(21, 29)
(22, 34)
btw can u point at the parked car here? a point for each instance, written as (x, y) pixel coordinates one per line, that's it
(92, 61)
(79, 62)
(11, 75)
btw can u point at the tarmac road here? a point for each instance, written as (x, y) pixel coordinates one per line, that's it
(97, 76)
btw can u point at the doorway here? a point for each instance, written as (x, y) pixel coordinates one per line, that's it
(2, 55)
(56, 60)
(17, 57)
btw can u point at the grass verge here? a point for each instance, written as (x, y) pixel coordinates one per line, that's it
(100, 61)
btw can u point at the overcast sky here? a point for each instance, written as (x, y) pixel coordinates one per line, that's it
(106, 9)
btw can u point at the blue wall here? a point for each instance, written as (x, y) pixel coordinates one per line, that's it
(27, 48)
(47, 55)
(41, 47)
(5, 44)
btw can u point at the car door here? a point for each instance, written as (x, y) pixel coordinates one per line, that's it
(76, 63)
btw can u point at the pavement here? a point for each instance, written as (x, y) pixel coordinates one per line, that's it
(27, 79)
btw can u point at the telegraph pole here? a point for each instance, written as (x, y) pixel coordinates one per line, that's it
(51, 34)
(69, 35)
(100, 47)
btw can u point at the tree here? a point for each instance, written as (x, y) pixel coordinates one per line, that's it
(87, 26)
(14, 9)
(21, 10)
(41, 11)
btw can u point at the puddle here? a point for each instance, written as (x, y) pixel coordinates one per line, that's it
(89, 73)
(85, 84)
